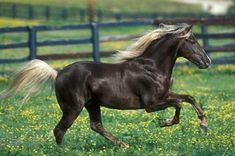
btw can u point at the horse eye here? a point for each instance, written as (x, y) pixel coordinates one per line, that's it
(191, 41)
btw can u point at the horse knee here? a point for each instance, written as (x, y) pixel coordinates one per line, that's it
(190, 99)
(97, 127)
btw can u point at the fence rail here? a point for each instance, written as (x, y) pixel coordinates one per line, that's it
(206, 35)
(33, 44)
(221, 20)
(95, 39)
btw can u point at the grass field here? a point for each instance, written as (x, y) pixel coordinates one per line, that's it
(28, 131)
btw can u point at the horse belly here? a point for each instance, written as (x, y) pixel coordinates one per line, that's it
(117, 97)
(121, 102)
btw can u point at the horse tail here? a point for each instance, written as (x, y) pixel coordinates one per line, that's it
(29, 79)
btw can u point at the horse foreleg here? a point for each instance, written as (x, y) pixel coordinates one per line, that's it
(165, 104)
(96, 125)
(175, 119)
(198, 109)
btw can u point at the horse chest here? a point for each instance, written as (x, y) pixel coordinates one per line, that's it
(165, 88)
(162, 86)
(157, 82)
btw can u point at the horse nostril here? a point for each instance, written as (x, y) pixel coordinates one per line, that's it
(202, 62)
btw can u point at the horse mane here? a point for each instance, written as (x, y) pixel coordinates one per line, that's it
(136, 49)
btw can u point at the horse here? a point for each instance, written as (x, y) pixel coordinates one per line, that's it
(142, 79)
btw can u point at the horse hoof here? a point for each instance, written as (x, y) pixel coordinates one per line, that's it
(203, 129)
(168, 122)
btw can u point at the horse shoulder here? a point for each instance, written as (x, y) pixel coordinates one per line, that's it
(151, 83)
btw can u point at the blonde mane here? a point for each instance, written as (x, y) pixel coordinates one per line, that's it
(138, 48)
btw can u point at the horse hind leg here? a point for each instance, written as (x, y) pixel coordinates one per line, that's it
(96, 124)
(71, 108)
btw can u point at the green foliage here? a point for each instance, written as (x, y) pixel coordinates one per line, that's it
(28, 131)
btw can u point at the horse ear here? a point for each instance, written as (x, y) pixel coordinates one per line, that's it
(162, 25)
(186, 31)
(188, 28)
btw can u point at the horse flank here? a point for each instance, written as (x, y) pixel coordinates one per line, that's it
(138, 48)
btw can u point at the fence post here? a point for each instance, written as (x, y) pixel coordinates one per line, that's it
(30, 12)
(13, 9)
(82, 14)
(118, 16)
(48, 12)
(32, 43)
(64, 13)
(205, 40)
(95, 41)
(100, 15)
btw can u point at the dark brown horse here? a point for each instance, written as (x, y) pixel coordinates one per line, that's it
(141, 81)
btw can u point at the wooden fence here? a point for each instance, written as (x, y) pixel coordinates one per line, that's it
(95, 39)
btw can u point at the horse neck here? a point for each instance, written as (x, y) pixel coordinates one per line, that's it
(164, 54)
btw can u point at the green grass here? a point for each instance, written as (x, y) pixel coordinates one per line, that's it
(28, 131)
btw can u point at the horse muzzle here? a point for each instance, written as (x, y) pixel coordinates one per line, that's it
(205, 63)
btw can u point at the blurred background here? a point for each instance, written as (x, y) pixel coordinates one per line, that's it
(76, 11)
(25, 13)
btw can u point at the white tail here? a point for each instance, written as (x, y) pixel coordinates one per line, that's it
(30, 78)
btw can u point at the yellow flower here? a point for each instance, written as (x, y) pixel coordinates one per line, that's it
(4, 78)
(27, 112)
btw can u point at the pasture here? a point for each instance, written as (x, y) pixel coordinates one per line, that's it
(28, 131)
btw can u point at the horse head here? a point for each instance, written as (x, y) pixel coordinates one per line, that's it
(190, 49)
